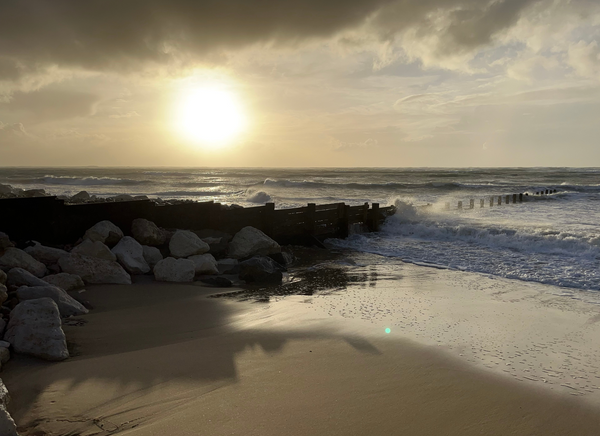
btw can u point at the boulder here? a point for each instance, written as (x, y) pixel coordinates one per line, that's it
(94, 249)
(260, 269)
(284, 259)
(20, 277)
(80, 197)
(130, 254)
(216, 240)
(66, 281)
(147, 233)
(7, 424)
(15, 258)
(122, 197)
(251, 242)
(228, 266)
(5, 241)
(47, 255)
(3, 294)
(204, 264)
(105, 232)
(185, 243)
(152, 255)
(175, 270)
(3, 277)
(94, 270)
(4, 356)
(4, 344)
(30, 193)
(67, 305)
(35, 329)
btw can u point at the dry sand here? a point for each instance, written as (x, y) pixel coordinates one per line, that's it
(160, 359)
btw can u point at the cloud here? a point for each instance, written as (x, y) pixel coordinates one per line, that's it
(585, 58)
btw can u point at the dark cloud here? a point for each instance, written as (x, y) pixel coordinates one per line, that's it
(117, 34)
(49, 105)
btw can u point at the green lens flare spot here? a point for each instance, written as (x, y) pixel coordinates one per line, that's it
(388, 330)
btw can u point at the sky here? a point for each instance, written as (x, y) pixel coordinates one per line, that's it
(336, 83)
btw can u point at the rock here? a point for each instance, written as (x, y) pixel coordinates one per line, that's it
(47, 255)
(185, 243)
(204, 264)
(5, 241)
(251, 242)
(7, 424)
(80, 197)
(216, 240)
(3, 294)
(3, 277)
(4, 356)
(219, 282)
(260, 269)
(35, 328)
(65, 281)
(122, 197)
(94, 270)
(228, 266)
(20, 277)
(105, 232)
(175, 270)
(30, 193)
(147, 233)
(283, 259)
(15, 258)
(2, 326)
(94, 249)
(130, 254)
(4, 344)
(152, 255)
(5, 190)
(67, 306)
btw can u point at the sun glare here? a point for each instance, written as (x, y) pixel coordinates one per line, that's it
(210, 116)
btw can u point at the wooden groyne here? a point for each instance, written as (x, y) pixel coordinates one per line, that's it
(51, 221)
(501, 199)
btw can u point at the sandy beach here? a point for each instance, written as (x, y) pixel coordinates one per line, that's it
(188, 364)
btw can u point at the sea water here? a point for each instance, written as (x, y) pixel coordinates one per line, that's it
(552, 239)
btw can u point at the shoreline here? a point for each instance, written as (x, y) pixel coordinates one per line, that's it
(190, 364)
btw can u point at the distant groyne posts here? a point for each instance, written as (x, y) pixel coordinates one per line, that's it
(501, 199)
(51, 221)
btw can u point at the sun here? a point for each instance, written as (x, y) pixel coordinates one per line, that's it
(210, 116)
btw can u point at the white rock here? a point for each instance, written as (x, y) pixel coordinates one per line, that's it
(15, 258)
(3, 277)
(47, 255)
(147, 233)
(94, 270)
(174, 270)
(94, 249)
(152, 255)
(251, 242)
(130, 254)
(204, 264)
(185, 243)
(3, 294)
(67, 305)
(105, 232)
(7, 424)
(20, 277)
(65, 281)
(35, 328)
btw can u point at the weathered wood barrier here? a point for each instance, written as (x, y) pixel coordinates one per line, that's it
(51, 221)
(502, 199)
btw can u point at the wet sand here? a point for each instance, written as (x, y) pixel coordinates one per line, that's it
(160, 359)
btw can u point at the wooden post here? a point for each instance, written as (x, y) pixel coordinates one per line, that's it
(268, 218)
(507, 199)
(499, 200)
(343, 211)
(521, 198)
(491, 201)
(375, 217)
(460, 204)
(310, 218)
(471, 204)
(481, 203)
(547, 192)
(365, 217)
(514, 198)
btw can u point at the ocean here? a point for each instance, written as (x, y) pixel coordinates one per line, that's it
(553, 239)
